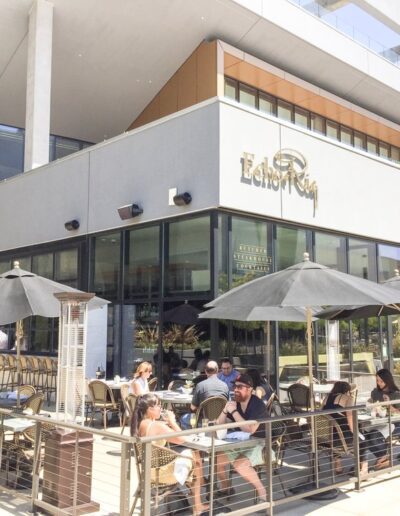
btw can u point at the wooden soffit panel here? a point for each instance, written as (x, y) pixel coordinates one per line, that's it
(278, 85)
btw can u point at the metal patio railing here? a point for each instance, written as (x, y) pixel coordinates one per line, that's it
(66, 468)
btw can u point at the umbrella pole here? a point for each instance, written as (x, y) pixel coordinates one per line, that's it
(309, 353)
(267, 353)
(19, 334)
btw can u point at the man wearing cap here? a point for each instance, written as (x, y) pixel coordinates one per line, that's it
(245, 407)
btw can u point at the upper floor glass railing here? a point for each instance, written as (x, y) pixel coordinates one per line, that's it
(350, 30)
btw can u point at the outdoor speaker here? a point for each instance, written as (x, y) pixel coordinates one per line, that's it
(129, 211)
(182, 199)
(71, 225)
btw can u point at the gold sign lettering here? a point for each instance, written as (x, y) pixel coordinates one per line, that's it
(289, 167)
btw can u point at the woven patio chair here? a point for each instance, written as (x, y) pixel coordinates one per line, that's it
(210, 408)
(153, 384)
(129, 404)
(102, 400)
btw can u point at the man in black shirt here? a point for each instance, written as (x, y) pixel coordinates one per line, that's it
(246, 407)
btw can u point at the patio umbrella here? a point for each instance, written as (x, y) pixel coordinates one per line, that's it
(23, 293)
(306, 284)
(266, 314)
(184, 314)
(357, 312)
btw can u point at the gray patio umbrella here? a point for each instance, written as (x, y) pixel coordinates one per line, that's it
(266, 314)
(184, 314)
(23, 293)
(306, 284)
(336, 313)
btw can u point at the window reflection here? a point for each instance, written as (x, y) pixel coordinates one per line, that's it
(290, 245)
(106, 265)
(362, 259)
(189, 255)
(330, 250)
(388, 261)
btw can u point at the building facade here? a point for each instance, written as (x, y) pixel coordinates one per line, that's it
(276, 164)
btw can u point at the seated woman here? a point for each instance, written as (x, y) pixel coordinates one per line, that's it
(262, 388)
(146, 422)
(387, 390)
(139, 384)
(340, 397)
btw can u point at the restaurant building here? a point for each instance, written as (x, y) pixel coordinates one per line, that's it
(287, 139)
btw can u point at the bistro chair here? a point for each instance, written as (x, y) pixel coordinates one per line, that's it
(176, 385)
(34, 403)
(50, 371)
(163, 481)
(5, 371)
(210, 408)
(129, 404)
(326, 427)
(299, 397)
(12, 367)
(102, 400)
(153, 384)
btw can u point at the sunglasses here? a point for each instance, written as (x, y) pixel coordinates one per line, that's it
(241, 386)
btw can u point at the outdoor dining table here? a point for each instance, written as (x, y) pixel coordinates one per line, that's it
(17, 426)
(173, 398)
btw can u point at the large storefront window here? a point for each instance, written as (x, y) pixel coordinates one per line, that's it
(388, 261)
(251, 250)
(4, 266)
(189, 256)
(11, 151)
(330, 250)
(367, 353)
(290, 245)
(292, 354)
(106, 265)
(142, 267)
(42, 264)
(362, 259)
(223, 253)
(344, 366)
(66, 267)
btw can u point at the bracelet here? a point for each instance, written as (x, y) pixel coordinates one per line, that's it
(226, 413)
(233, 411)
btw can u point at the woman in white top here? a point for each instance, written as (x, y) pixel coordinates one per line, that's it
(139, 384)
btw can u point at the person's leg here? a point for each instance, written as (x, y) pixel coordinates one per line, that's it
(221, 461)
(377, 445)
(197, 484)
(243, 466)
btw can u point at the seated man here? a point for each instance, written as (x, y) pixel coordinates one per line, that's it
(228, 374)
(246, 407)
(205, 389)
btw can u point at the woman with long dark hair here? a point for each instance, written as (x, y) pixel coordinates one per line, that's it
(146, 422)
(340, 397)
(261, 387)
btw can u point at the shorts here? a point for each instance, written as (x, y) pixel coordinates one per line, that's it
(255, 455)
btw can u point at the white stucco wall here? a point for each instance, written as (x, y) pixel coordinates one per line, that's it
(357, 193)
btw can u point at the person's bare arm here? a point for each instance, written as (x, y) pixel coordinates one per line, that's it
(230, 408)
(136, 389)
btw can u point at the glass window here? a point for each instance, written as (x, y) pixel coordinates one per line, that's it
(247, 96)
(267, 104)
(106, 265)
(290, 245)
(11, 151)
(189, 255)
(292, 354)
(41, 335)
(230, 88)
(344, 350)
(388, 261)
(42, 264)
(65, 146)
(251, 250)
(360, 141)
(332, 130)
(330, 250)
(285, 110)
(66, 267)
(372, 145)
(223, 253)
(52, 148)
(383, 150)
(302, 117)
(346, 135)
(367, 355)
(317, 124)
(395, 154)
(5, 266)
(362, 259)
(142, 267)
(24, 262)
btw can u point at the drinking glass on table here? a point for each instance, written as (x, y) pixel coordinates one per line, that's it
(193, 420)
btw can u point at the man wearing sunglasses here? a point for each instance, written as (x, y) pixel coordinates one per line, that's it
(245, 407)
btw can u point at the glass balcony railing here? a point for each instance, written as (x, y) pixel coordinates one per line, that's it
(350, 30)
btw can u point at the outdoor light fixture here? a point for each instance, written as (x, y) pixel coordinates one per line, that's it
(182, 199)
(71, 225)
(129, 211)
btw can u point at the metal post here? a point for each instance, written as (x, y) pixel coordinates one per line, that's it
(36, 464)
(356, 450)
(390, 436)
(316, 459)
(268, 451)
(146, 479)
(212, 471)
(125, 478)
